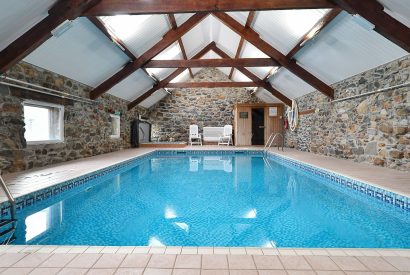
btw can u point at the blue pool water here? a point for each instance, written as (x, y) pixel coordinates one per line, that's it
(208, 200)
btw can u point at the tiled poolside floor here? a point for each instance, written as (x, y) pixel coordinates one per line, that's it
(201, 260)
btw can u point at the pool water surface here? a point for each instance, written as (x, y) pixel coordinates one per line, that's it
(211, 200)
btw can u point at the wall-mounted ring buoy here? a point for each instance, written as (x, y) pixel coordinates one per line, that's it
(293, 116)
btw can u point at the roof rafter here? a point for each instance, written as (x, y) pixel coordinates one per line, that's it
(112, 7)
(224, 62)
(33, 38)
(170, 37)
(267, 86)
(248, 24)
(168, 79)
(174, 25)
(101, 26)
(251, 36)
(373, 11)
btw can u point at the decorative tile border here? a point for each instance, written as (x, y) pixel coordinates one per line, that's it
(340, 180)
(44, 194)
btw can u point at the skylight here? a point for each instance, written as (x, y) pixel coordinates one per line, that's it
(124, 26)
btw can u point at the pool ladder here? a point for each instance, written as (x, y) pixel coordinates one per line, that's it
(270, 141)
(8, 225)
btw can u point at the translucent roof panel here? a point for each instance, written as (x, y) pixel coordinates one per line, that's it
(238, 76)
(173, 52)
(226, 39)
(154, 98)
(346, 47)
(138, 32)
(82, 53)
(180, 18)
(283, 29)
(240, 16)
(133, 86)
(400, 10)
(17, 17)
(289, 84)
(198, 37)
(184, 76)
(250, 51)
(265, 96)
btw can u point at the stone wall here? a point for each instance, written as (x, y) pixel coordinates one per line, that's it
(87, 126)
(371, 129)
(172, 116)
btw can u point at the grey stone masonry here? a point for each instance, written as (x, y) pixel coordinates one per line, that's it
(372, 129)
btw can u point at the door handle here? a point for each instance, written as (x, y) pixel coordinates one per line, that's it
(261, 127)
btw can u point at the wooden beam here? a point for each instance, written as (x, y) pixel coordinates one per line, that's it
(101, 26)
(201, 63)
(174, 25)
(169, 38)
(113, 7)
(253, 37)
(373, 11)
(211, 84)
(266, 85)
(168, 79)
(318, 27)
(248, 24)
(37, 35)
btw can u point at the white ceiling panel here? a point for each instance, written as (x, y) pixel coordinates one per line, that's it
(265, 96)
(346, 47)
(82, 53)
(173, 52)
(399, 9)
(240, 16)
(182, 77)
(289, 84)
(260, 72)
(226, 39)
(250, 51)
(238, 76)
(17, 17)
(181, 18)
(138, 32)
(198, 37)
(154, 98)
(133, 86)
(284, 28)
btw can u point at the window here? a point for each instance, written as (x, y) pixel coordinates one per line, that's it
(115, 126)
(44, 122)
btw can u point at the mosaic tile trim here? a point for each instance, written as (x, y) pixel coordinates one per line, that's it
(49, 192)
(357, 186)
(208, 152)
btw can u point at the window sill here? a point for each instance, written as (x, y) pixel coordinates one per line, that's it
(44, 142)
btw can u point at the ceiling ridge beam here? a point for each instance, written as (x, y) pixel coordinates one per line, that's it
(168, 79)
(110, 7)
(251, 36)
(266, 85)
(386, 25)
(21, 47)
(174, 25)
(248, 24)
(216, 84)
(212, 62)
(170, 37)
(117, 41)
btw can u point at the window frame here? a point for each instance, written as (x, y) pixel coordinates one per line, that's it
(41, 104)
(116, 117)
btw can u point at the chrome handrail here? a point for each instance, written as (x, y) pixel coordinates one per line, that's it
(270, 141)
(9, 197)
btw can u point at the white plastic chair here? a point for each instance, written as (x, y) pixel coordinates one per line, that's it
(226, 139)
(194, 136)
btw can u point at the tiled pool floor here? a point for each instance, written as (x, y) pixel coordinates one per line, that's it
(199, 260)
